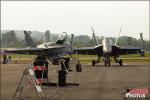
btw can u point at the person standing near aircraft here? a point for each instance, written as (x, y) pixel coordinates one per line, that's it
(41, 60)
(9, 59)
(4, 58)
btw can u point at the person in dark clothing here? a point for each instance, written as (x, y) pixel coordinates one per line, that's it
(40, 60)
(4, 58)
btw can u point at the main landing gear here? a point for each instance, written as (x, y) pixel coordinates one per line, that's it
(107, 61)
(119, 61)
(95, 61)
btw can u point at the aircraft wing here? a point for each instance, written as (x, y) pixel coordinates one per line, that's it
(32, 50)
(23, 50)
(116, 50)
(89, 50)
(129, 50)
(85, 50)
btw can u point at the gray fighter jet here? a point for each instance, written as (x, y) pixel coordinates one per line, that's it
(108, 50)
(51, 49)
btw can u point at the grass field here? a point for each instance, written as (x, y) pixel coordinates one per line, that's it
(84, 58)
(126, 58)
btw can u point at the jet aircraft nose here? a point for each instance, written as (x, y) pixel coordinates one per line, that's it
(107, 45)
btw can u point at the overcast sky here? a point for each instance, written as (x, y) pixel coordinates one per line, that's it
(77, 17)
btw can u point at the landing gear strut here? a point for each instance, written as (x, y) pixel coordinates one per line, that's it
(118, 61)
(107, 61)
(95, 61)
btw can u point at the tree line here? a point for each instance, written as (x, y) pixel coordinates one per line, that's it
(10, 40)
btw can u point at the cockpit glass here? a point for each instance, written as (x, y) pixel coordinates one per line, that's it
(62, 36)
(107, 41)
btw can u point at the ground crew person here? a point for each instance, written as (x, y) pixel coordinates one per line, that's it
(9, 59)
(4, 58)
(40, 60)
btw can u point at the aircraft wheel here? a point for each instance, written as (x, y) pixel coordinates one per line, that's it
(109, 63)
(93, 62)
(105, 63)
(120, 62)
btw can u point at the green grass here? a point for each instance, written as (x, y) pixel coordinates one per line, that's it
(20, 55)
(122, 56)
(135, 55)
(87, 58)
(147, 55)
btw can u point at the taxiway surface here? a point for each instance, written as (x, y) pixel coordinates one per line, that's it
(95, 83)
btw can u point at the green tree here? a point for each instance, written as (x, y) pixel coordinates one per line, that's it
(10, 40)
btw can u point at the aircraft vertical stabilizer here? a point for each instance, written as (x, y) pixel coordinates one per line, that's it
(71, 43)
(118, 35)
(46, 37)
(28, 39)
(96, 43)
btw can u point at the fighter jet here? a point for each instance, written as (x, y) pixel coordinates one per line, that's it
(51, 49)
(107, 50)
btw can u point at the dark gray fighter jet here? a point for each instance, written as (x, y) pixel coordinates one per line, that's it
(107, 50)
(51, 49)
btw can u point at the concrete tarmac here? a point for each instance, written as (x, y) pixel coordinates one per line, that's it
(95, 83)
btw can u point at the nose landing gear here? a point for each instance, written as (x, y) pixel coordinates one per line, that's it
(107, 61)
(120, 62)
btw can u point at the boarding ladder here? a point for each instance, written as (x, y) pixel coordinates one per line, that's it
(28, 75)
